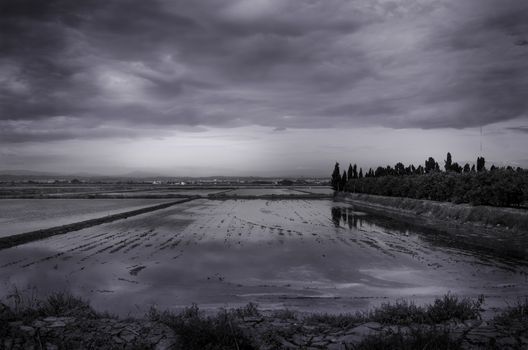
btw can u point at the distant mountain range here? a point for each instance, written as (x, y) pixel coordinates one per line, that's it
(32, 173)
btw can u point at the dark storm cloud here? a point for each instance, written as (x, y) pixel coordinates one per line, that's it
(98, 69)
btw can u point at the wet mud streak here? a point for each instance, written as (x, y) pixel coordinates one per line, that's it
(11, 241)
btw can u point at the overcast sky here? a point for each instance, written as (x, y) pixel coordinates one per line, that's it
(260, 87)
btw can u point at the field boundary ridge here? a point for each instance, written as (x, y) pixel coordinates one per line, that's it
(26, 237)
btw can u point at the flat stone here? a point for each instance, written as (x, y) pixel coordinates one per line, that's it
(8, 343)
(114, 331)
(508, 341)
(319, 339)
(127, 336)
(366, 328)
(350, 339)
(59, 319)
(319, 345)
(166, 343)
(397, 329)
(38, 324)
(298, 339)
(117, 340)
(285, 344)
(50, 346)
(472, 323)
(28, 330)
(57, 324)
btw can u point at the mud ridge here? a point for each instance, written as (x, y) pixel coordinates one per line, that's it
(22, 238)
(485, 217)
(490, 228)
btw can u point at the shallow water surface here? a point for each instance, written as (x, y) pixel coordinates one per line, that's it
(23, 215)
(309, 255)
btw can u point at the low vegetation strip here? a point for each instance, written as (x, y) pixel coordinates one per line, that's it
(500, 187)
(14, 240)
(505, 218)
(62, 321)
(225, 196)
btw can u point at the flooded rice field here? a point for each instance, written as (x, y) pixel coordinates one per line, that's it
(316, 190)
(167, 192)
(25, 191)
(23, 215)
(262, 191)
(307, 255)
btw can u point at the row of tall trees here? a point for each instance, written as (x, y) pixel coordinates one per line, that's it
(475, 184)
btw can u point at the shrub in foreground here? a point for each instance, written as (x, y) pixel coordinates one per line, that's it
(224, 331)
(517, 314)
(28, 305)
(197, 331)
(443, 309)
(400, 313)
(451, 307)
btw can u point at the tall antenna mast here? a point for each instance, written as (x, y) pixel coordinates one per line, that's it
(481, 140)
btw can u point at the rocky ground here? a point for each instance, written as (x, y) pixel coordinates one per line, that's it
(54, 333)
(249, 328)
(470, 333)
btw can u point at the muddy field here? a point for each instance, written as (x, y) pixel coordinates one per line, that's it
(307, 255)
(262, 191)
(23, 215)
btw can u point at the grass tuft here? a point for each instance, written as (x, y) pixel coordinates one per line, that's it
(27, 305)
(197, 331)
(447, 308)
(514, 315)
(402, 312)
(338, 321)
(250, 310)
(284, 314)
(65, 304)
(451, 307)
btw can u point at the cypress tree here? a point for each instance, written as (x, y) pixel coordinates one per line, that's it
(448, 162)
(344, 179)
(336, 177)
(349, 171)
(399, 168)
(481, 164)
(430, 165)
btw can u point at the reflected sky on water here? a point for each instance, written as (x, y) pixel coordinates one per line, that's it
(309, 255)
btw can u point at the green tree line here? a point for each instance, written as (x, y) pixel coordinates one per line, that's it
(504, 186)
